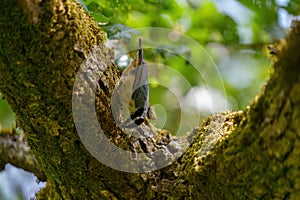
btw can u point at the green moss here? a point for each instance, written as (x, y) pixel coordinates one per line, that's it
(235, 155)
(37, 67)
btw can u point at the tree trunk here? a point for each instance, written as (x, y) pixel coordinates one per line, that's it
(234, 155)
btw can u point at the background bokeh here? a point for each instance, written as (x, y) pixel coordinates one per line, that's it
(234, 33)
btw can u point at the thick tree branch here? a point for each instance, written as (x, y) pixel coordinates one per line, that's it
(260, 156)
(249, 154)
(39, 58)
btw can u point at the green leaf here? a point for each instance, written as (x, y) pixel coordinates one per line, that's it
(119, 31)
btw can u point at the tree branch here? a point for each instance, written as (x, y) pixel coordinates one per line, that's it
(235, 153)
(14, 150)
(260, 157)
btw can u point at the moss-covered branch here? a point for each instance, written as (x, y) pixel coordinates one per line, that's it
(39, 57)
(259, 159)
(250, 154)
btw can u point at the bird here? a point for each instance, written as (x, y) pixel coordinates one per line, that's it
(139, 100)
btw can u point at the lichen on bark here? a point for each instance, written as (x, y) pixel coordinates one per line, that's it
(244, 154)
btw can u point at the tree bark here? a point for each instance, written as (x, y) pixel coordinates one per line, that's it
(234, 155)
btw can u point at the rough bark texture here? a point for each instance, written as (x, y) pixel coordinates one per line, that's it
(234, 155)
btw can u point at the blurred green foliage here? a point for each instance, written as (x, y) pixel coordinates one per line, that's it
(234, 33)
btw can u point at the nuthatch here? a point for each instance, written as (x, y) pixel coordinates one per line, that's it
(139, 102)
